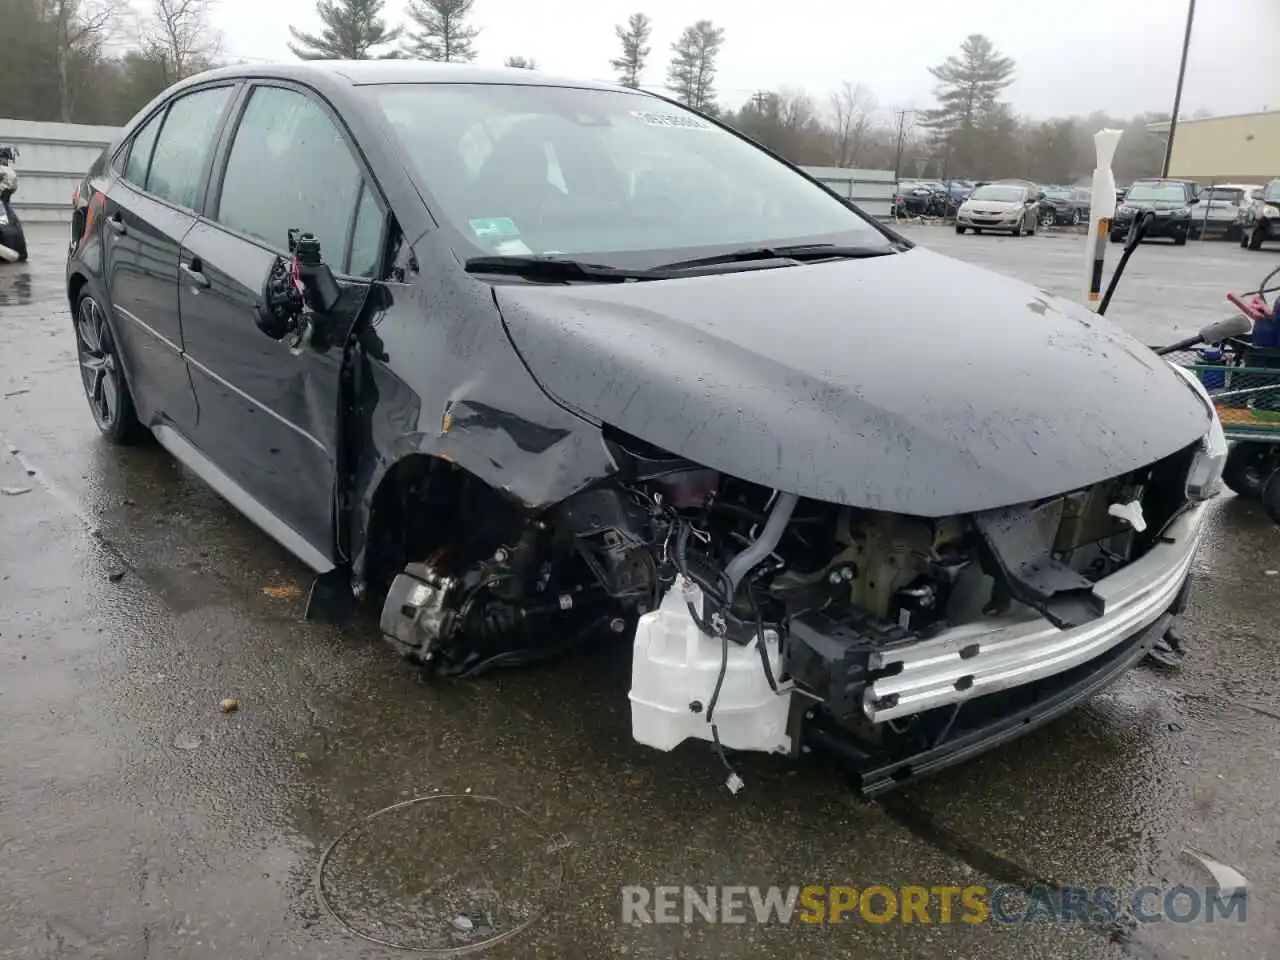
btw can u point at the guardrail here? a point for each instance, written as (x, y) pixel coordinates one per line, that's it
(52, 159)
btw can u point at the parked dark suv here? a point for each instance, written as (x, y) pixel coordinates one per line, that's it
(529, 362)
(1172, 202)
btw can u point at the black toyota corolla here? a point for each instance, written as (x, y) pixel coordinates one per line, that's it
(527, 362)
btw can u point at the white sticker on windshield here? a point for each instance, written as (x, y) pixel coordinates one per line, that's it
(511, 248)
(670, 120)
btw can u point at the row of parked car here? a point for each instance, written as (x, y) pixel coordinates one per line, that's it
(1184, 209)
(934, 198)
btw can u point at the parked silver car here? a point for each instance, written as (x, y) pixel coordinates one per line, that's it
(1005, 207)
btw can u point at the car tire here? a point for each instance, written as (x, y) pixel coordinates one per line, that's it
(1271, 495)
(959, 229)
(1117, 237)
(1180, 237)
(1257, 236)
(102, 374)
(1075, 218)
(1248, 466)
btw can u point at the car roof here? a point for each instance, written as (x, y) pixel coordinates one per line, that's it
(358, 73)
(1235, 186)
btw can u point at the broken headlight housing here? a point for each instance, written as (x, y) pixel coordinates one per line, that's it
(1204, 479)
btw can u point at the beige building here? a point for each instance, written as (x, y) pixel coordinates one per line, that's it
(1244, 148)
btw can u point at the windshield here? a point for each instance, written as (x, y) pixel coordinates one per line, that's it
(997, 194)
(601, 175)
(1226, 193)
(1273, 191)
(1170, 192)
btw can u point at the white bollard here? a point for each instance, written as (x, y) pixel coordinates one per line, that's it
(1102, 209)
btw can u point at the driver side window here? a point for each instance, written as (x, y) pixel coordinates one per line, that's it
(290, 167)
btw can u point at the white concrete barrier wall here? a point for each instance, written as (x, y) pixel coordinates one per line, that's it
(53, 157)
(871, 190)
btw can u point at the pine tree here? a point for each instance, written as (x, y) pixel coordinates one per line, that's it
(634, 38)
(692, 72)
(352, 28)
(968, 98)
(443, 34)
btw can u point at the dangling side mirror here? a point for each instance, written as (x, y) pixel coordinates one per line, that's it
(277, 310)
(297, 291)
(318, 284)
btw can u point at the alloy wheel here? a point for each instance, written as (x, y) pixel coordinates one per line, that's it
(99, 366)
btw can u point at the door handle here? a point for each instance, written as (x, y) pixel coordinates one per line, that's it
(195, 273)
(117, 224)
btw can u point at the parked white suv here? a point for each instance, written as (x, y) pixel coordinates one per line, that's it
(1261, 221)
(1222, 209)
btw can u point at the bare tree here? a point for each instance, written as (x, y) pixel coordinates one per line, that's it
(692, 72)
(443, 33)
(352, 28)
(521, 63)
(852, 113)
(180, 37)
(788, 123)
(80, 29)
(634, 38)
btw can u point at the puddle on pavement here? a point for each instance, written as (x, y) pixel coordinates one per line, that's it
(15, 289)
(442, 875)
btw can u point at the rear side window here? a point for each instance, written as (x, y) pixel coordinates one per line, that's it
(1272, 192)
(1227, 194)
(183, 147)
(135, 170)
(289, 167)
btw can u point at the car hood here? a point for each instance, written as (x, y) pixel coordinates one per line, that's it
(912, 383)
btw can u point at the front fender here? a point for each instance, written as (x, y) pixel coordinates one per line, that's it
(438, 377)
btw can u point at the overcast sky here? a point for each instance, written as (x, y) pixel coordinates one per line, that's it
(814, 44)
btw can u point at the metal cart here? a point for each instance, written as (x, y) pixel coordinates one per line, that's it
(1244, 382)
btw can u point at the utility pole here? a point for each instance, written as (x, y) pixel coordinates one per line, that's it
(760, 99)
(1177, 97)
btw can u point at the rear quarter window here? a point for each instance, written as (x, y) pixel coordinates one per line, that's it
(137, 157)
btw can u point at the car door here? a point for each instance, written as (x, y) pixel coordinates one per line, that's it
(269, 412)
(147, 211)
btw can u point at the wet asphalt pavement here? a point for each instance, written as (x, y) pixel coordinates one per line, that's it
(139, 820)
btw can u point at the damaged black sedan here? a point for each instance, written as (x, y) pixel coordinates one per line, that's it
(525, 362)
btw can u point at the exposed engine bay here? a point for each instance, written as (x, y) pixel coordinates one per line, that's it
(752, 608)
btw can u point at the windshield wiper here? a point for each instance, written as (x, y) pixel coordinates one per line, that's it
(555, 269)
(794, 251)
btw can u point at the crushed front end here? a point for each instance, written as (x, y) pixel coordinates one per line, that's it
(770, 622)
